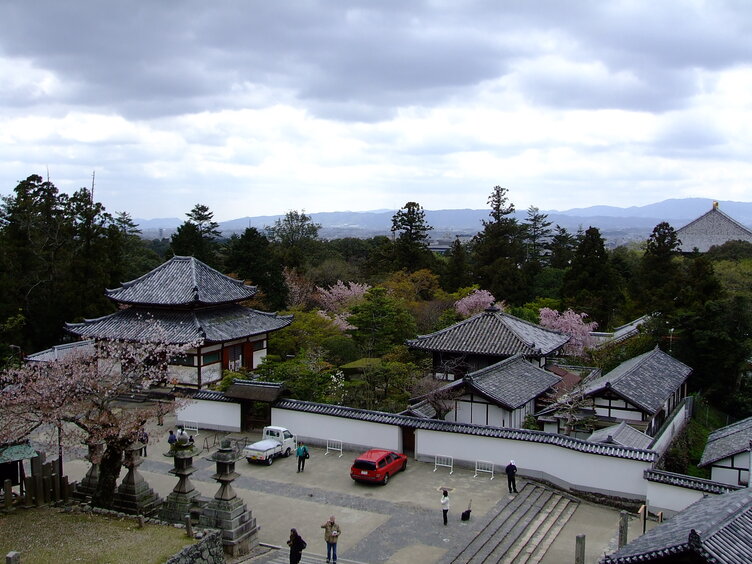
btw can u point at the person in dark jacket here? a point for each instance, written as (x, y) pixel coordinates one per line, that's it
(296, 544)
(511, 471)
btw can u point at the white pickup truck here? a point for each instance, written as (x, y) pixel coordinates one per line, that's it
(277, 441)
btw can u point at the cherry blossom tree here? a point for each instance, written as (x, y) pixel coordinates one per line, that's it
(300, 290)
(341, 296)
(474, 303)
(337, 300)
(72, 399)
(574, 325)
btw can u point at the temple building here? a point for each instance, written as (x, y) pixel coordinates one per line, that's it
(713, 228)
(184, 301)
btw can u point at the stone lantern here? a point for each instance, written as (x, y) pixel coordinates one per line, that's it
(227, 511)
(184, 497)
(134, 495)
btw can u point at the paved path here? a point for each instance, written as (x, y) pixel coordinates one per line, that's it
(398, 523)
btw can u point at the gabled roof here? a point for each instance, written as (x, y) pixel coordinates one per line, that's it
(509, 383)
(713, 529)
(210, 325)
(182, 281)
(621, 434)
(727, 441)
(711, 228)
(646, 381)
(493, 333)
(422, 409)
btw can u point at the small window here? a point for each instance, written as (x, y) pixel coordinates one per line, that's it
(288, 435)
(259, 345)
(210, 358)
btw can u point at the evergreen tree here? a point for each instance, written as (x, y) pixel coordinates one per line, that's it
(498, 251)
(537, 231)
(656, 286)
(411, 248)
(196, 236)
(590, 285)
(250, 256)
(562, 246)
(457, 272)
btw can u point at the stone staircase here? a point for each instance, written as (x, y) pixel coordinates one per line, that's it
(522, 531)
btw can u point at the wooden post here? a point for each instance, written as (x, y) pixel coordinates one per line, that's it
(66, 489)
(29, 489)
(623, 528)
(188, 525)
(579, 550)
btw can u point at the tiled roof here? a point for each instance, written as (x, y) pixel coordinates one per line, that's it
(182, 281)
(713, 529)
(711, 228)
(210, 325)
(211, 395)
(690, 482)
(493, 333)
(59, 352)
(422, 409)
(621, 434)
(255, 390)
(647, 380)
(510, 383)
(468, 429)
(727, 441)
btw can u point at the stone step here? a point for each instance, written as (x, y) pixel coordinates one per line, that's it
(510, 554)
(541, 531)
(521, 520)
(504, 527)
(542, 547)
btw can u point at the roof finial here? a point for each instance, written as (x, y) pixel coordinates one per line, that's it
(715, 205)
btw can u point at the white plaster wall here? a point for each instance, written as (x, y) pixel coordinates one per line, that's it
(355, 435)
(215, 415)
(182, 374)
(568, 468)
(731, 475)
(662, 442)
(211, 373)
(669, 499)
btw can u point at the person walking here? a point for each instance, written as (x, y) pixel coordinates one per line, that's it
(445, 505)
(143, 438)
(511, 471)
(331, 535)
(302, 453)
(297, 545)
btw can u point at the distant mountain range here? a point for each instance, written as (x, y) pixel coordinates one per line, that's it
(618, 225)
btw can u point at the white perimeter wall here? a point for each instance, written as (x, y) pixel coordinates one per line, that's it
(355, 435)
(567, 468)
(736, 471)
(670, 499)
(678, 422)
(215, 415)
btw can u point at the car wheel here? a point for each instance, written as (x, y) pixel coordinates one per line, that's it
(249, 460)
(386, 479)
(404, 466)
(287, 453)
(269, 461)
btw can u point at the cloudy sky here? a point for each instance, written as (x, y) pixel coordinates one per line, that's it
(257, 107)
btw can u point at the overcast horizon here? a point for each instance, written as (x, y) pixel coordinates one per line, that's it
(258, 108)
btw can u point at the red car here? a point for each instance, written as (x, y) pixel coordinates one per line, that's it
(377, 465)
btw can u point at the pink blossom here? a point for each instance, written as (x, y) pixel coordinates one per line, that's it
(473, 303)
(572, 324)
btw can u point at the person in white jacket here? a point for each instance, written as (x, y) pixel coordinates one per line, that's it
(445, 505)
